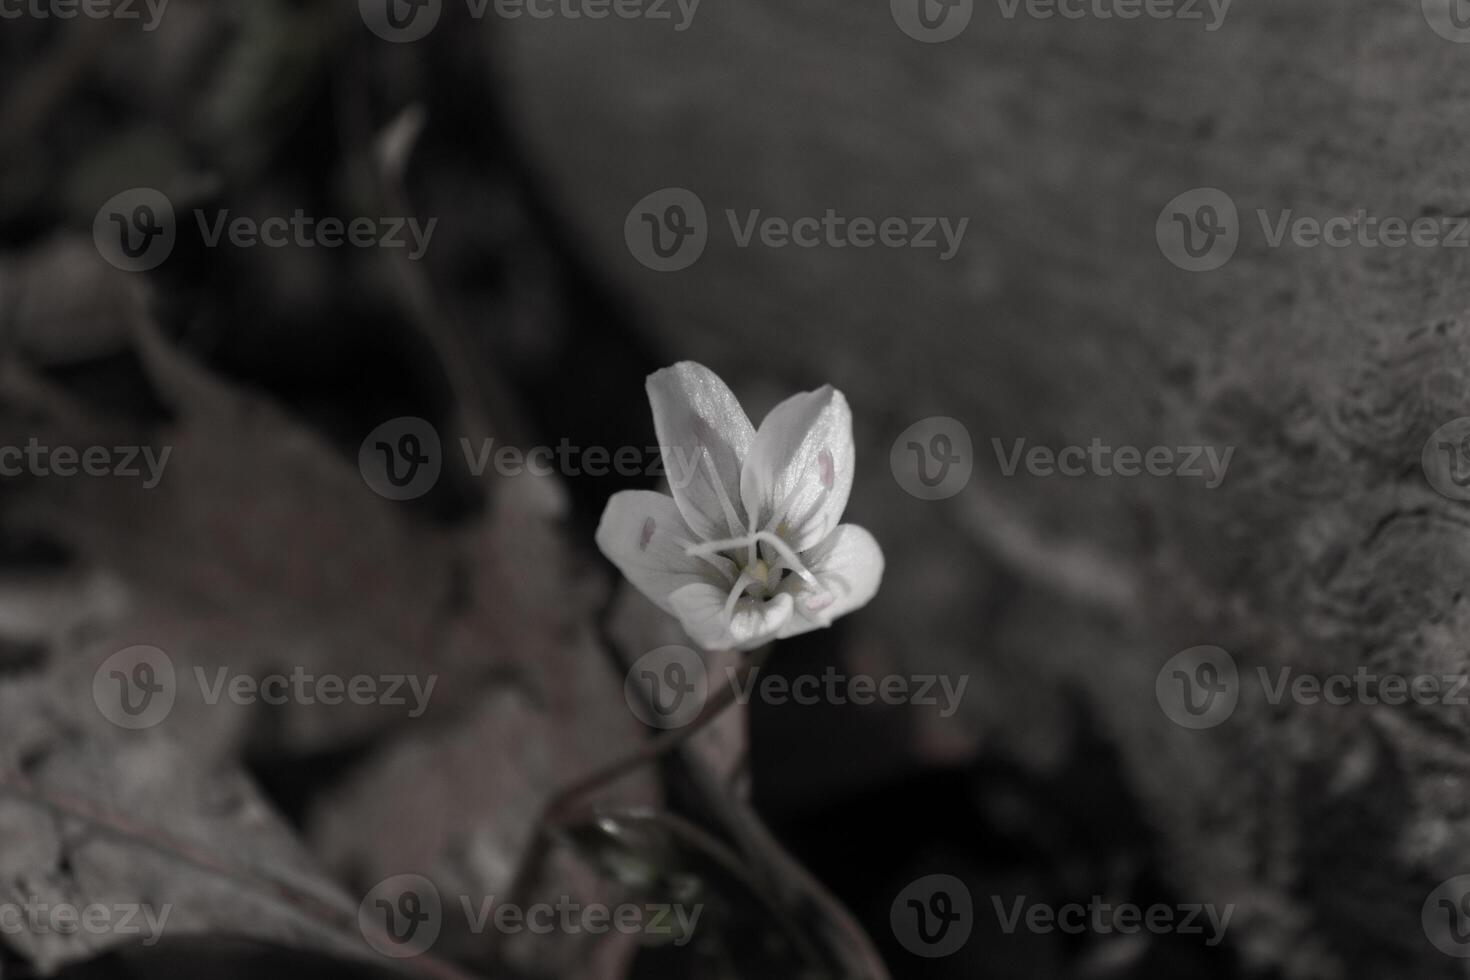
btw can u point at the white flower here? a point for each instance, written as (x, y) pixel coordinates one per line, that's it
(748, 549)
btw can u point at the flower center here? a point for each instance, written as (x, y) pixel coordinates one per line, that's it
(758, 577)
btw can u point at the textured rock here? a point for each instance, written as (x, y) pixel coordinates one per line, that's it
(1060, 320)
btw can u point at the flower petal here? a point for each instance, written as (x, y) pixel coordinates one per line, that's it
(799, 468)
(704, 436)
(701, 610)
(643, 534)
(849, 565)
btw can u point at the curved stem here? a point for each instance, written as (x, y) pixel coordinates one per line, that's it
(660, 745)
(562, 804)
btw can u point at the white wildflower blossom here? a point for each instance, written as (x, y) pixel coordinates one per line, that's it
(748, 549)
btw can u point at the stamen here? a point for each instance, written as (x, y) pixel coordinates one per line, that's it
(788, 557)
(810, 513)
(827, 476)
(735, 593)
(782, 548)
(693, 551)
(714, 547)
(731, 518)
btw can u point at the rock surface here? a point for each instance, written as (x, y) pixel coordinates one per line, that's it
(1061, 320)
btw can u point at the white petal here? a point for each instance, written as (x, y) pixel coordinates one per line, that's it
(704, 436)
(701, 610)
(643, 534)
(799, 468)
(849, 566)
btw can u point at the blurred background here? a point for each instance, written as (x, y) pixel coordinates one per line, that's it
(1139, 446)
